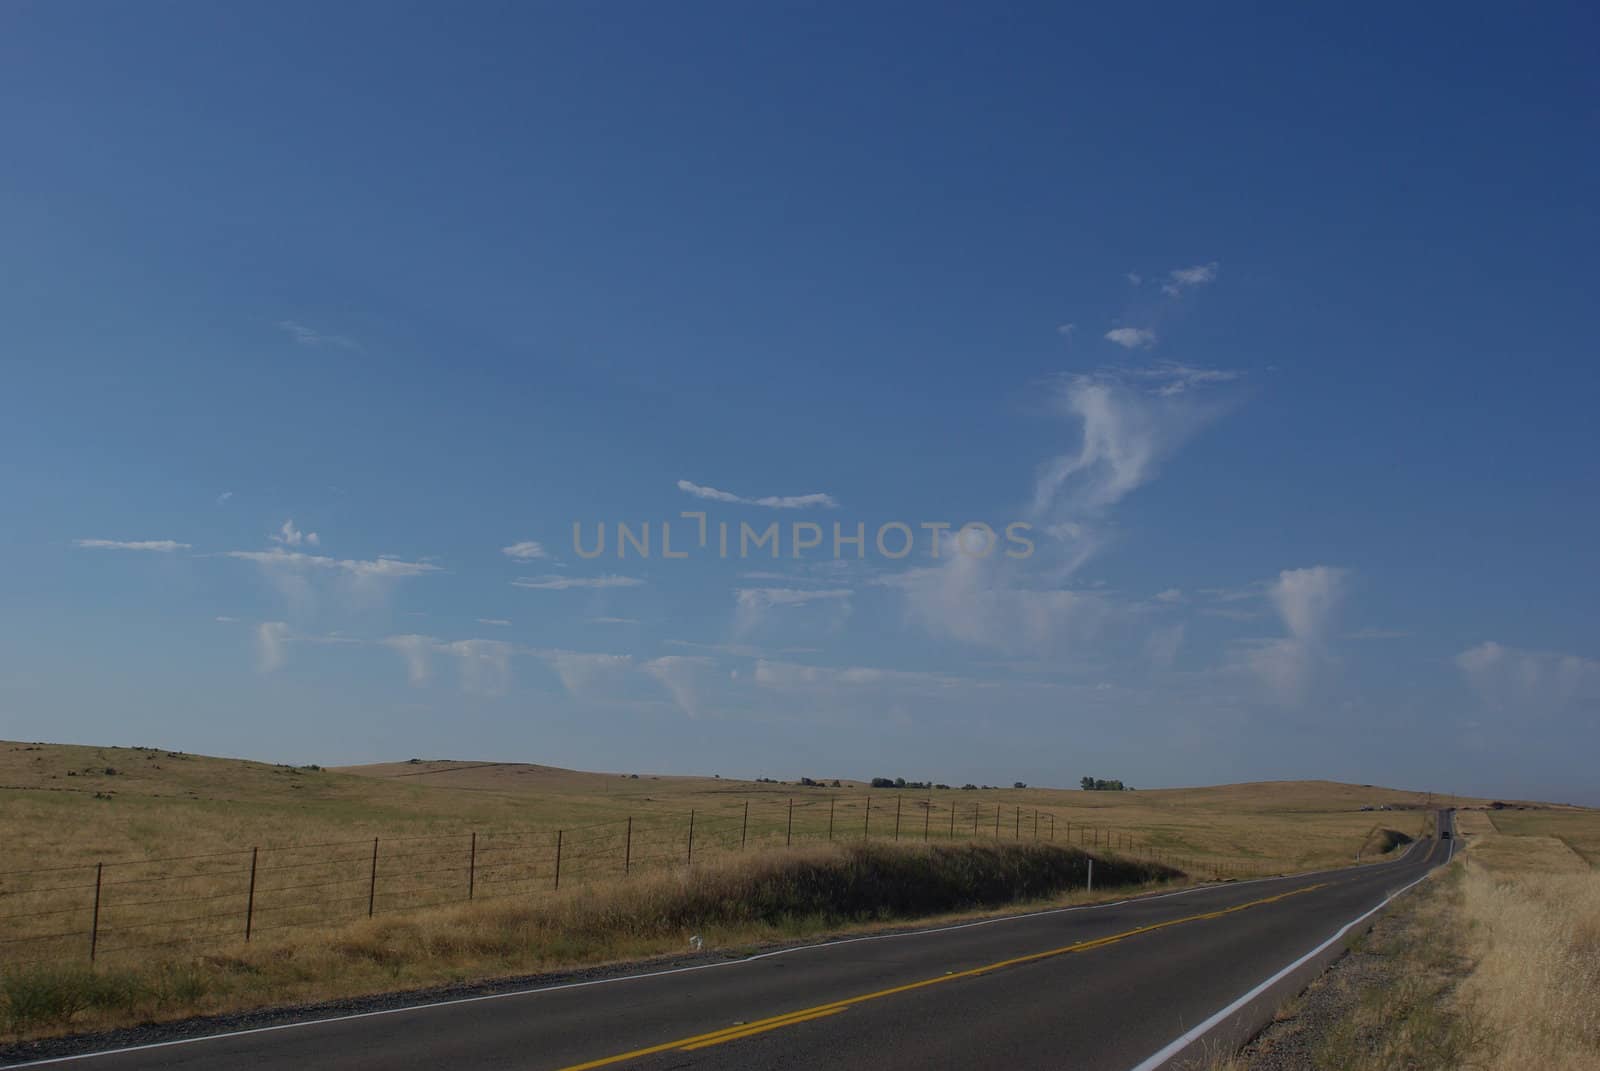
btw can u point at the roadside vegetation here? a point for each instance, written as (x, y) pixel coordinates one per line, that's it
(1492, 964)
(727, 906)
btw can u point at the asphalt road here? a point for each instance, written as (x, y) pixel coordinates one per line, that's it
(1152, 982)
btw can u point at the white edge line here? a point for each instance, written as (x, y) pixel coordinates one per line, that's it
(685, 970)
(1177, 1045)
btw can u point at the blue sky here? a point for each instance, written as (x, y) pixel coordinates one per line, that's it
(1276, 329)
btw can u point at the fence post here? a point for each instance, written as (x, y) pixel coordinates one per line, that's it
(744, 830)
(975, 807)
(1036, 823)
(560, 835)
(897, 818)
(690, 858)
(94, 927)
(372, 882)
(1052, 829)
(1017, 835)
(830, 819)
(997, 821)
(250, 900)
(472, 867)
(788, 833)
(627, 848)
(952, 819)
(866, 826)
(927, 816)
(1091, 875)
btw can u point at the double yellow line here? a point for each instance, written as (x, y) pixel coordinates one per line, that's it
(821, 1011)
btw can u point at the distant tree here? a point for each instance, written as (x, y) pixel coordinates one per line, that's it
(969, 787)
(883, 782)
(836, 783)
(1018, 784)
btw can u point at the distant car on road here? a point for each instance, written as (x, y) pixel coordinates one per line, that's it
(1445, 835)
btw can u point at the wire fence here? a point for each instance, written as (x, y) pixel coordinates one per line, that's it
(209, 900)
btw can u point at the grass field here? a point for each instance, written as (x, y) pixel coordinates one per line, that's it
(157, 861)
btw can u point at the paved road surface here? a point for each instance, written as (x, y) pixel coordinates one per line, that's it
(1141, 984)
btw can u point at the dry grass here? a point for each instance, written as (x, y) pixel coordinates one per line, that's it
(730, 904)
(1536, 986)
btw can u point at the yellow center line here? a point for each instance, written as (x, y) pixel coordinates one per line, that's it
(802, 1015)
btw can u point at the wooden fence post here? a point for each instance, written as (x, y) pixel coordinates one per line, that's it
(372, 881)
(250, 899)
(94, 927)
(472, 867)
(897, 818)
(627, 848)
(690, 859)
(788, 833)
(560, 835)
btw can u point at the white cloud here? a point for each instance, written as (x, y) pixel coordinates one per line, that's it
(525, 550)
(1132, 338)
(1134, 278)
(297, 560)
(270, 639)
(980, 602)
(564, 583)
(1527, 682)
(222, 498)
(417, 651)
(164, 546)
(1066, 330)
(1182, 279)
(613, 620)
(306, 336)
(1169, 378)
(1170, 595)
(1130, 421)
(485, 664)
(290, 536)
(1306, 600)
(769, 501)
(582, 672)
(752, 604)
(500, 621)
(682, 676)
(775, 674)
(1163, 644)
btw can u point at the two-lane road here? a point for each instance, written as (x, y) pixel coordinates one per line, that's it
(1137, 984)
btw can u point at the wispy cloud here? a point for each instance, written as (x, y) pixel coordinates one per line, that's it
(290, 536)
(1528, 682)
(417, 651)
(582, 673)
(163, 546)
(297, 560)
(1134, 278)
(816, 499)
(683, 677)
(752, 604)
(485, 664)
(527, 550)
(271, 636)
(565, 583)
(498, 621)
(1132, 338)
(1130, 420)
(613, 620)
(307, 336)
(223, 498)
(1305, 600)
(1182, 279)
